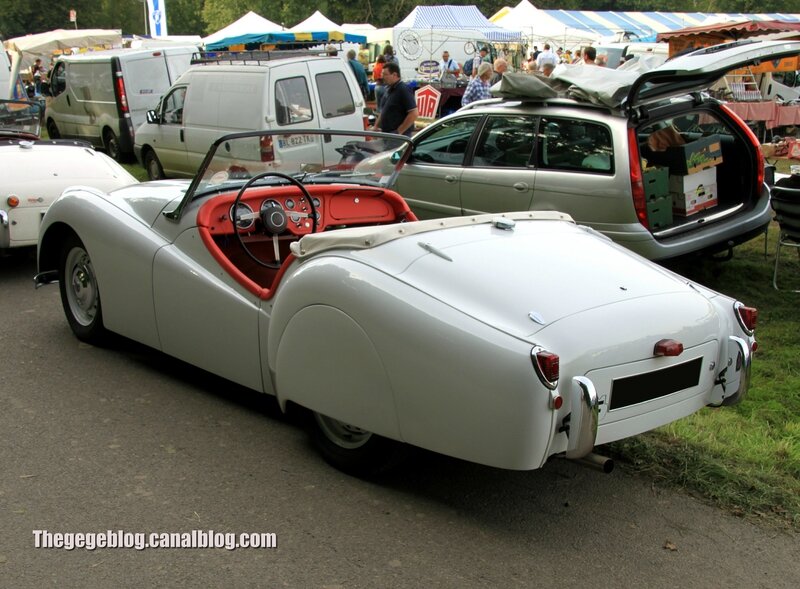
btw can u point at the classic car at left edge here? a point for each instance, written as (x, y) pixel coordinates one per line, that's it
(34, 172)
(504, 340)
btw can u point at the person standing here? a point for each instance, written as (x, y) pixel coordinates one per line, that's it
(388, 54)
(399, 107)
(37, 71)
(478, 88)
(500, 67)
(448, 68)
(589, 55)
(546, 56)
(482, 57)
(359, 71)
(377, 77)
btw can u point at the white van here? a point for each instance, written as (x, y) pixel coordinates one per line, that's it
(102, 96)
(214, 99)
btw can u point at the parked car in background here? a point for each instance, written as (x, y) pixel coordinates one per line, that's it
(654, 164)
(229, 93)
(455, 335)
(34, 172)
(102, 96)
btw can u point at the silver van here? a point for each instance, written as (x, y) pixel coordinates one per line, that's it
(225, 95)
(102, 96)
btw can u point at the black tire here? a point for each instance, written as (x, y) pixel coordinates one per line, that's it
(153, 166)
(52, 129)
(80, 295)
(111, 143)
(351, 449)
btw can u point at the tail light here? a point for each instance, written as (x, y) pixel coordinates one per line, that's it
(267, 150)
(546, 365)
(668, 347)
(637, 181)
(13, 201)
(123, 97)
(754, 142)
(747, 317)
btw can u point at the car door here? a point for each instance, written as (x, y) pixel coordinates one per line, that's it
(431, 179)
(341, 105)
(167, 136)
(576, 171)
(499, 176)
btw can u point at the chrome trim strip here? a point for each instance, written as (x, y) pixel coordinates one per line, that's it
(684, 227)
(584, 417)
(3, 218)
(744, 379)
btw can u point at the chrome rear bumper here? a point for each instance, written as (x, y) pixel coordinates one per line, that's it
(584, 417)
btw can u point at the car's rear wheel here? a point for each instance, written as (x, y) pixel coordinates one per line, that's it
(111, 143)
(80, 295)
(52, 129)
(352, 449)
(153, 166)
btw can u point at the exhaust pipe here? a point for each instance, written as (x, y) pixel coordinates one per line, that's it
(597, 462)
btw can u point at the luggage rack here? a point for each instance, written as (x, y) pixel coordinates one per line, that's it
(250, 57)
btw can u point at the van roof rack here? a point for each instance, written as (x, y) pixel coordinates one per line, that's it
(250, 57)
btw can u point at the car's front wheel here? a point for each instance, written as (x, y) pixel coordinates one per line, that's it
(52, 129)
(80, 295)
(352, 449)
(153, 166)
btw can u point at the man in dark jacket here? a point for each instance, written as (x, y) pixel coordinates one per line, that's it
(399, 108)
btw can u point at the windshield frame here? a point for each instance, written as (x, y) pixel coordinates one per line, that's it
(33, 112)
(193, 194)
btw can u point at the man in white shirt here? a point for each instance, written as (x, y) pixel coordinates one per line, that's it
(546, 56)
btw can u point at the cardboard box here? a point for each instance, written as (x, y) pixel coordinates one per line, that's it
(693, 192)
(691, 157)
(659, 212)
(656, 182)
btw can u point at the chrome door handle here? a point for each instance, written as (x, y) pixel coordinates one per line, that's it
(450, 179)
(521, 186)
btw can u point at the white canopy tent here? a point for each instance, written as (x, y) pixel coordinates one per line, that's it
(539, 27)
(315, 22)
(250, 23)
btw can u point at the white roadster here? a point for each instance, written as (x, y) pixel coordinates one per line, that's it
(34, 172)
(287, 267)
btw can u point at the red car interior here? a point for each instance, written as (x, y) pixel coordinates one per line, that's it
(339, 206)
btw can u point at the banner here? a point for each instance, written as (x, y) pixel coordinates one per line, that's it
(158, 18)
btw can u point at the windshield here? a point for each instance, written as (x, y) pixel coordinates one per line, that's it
(309, 156)
(20, 118)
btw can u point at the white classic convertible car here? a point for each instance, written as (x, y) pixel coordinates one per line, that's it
(34, 172)
(288, 266)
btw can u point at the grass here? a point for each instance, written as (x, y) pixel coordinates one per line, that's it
(745, 459)
(136, 170)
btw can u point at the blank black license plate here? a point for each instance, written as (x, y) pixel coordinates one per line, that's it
(652, 385)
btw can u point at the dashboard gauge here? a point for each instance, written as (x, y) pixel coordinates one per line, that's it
(289, 203)
(295, 218)
(316, 202)
(270, 203)
(243, 209)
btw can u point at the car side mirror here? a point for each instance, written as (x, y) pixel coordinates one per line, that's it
(151, 117)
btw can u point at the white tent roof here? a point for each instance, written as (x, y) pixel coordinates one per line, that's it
(29, 47)
(250, 24)
(539, 27)
(315, 22)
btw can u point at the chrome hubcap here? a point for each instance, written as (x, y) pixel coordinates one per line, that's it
(82, 287)
(342, 434)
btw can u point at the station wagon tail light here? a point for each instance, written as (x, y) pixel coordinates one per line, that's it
(637, 181)
(546, 365)
(267, 150)
(753, 140)
(747, 317)
(123, 97)
(13, 201)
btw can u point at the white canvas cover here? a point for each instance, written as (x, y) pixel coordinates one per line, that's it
(250, 23)
(29, 47)
(538, 27)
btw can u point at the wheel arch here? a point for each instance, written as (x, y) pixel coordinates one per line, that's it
(50, 245)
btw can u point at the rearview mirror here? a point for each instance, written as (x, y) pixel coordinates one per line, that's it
(151, 117)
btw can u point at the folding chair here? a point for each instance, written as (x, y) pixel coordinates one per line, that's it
(786, 204)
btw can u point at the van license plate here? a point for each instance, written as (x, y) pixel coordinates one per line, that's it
(295, 140)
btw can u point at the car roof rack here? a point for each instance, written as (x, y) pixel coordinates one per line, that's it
(251, 57)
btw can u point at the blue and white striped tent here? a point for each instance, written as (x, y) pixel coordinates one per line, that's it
(645, 25)
(455, 18)
(577, 27)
